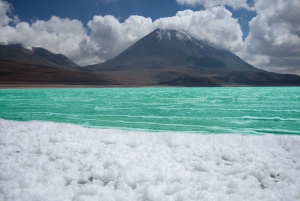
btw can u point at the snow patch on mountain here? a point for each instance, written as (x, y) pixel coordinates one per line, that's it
(169, 34)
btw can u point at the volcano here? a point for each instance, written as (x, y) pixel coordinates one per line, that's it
(174, 57)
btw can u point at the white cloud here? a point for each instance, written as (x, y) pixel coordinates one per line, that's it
(57, 35)
(275, 33)
(214, 25)
(235, 4)
(112, 37)
(4, 9)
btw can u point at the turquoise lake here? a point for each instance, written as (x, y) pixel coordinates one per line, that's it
(228, 110)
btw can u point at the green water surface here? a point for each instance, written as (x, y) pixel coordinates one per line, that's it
(244, 110)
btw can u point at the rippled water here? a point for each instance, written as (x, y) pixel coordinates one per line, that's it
(243, 110)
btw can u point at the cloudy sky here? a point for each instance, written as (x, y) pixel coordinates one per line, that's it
(264, 33)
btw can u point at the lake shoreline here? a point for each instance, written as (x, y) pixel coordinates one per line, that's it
(45, 86)
(28, 86)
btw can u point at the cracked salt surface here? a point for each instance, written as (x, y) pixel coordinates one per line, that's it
(52, 161)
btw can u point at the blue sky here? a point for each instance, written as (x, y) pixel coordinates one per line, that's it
(264, 33)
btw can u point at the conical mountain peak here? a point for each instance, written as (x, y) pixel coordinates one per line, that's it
(171, 34)
(174, 57)
(164, 48)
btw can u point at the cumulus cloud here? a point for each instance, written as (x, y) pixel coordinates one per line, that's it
(4, 9)
(110, 37)
(216, 25)
(235, 4)
(275, 33)
(58, 35)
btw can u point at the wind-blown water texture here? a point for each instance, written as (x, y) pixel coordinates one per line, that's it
(241, 110)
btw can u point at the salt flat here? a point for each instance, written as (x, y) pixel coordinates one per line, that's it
(54, 161)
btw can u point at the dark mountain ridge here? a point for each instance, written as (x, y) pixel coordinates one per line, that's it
(35, 55)
(19, 65)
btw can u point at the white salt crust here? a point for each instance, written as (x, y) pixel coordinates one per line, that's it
(52, 161)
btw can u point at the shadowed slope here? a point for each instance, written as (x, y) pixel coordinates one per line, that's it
(19, 65)
(35, 55)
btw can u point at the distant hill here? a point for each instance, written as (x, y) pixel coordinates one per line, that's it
(35, 55)
(174, 57)
(19, 65)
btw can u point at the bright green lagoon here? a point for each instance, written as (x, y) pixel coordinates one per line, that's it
(242, 110)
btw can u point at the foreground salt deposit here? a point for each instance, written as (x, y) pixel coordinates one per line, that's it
(51, 161)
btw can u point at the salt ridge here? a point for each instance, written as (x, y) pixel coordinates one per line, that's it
(54, 161)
